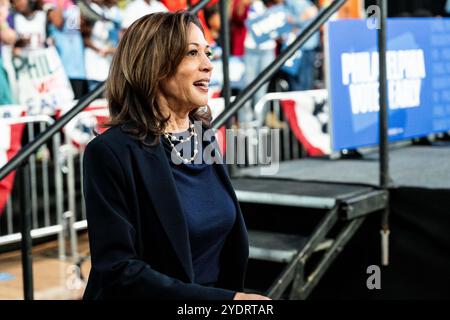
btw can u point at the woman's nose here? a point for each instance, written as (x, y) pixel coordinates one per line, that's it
(206, 64)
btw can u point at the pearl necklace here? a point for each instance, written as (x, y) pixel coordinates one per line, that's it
(170, 137)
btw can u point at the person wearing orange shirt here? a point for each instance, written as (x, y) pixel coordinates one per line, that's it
(175, 5)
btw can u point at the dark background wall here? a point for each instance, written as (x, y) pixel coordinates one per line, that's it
(419, 252)
(398, 7)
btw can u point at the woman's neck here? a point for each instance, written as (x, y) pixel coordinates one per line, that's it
(179, 117)
(178, 122)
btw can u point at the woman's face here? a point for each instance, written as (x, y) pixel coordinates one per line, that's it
(21, 5)
(188, 88)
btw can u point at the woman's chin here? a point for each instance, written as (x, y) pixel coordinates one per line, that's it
(200, 103)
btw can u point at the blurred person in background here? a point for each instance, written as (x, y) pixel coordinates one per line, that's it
(212, 19)
(300, 13)
(175, 5)
(100, 40)
(238, 29)
(30, 23)
(64, 29)
(139, 8)
(257, 57)
(8, 37)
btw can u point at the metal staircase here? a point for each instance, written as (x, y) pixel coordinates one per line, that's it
(341, 209)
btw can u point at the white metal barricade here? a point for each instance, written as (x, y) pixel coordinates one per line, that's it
(46, 207)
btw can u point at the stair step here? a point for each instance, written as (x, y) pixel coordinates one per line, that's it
(274, 246)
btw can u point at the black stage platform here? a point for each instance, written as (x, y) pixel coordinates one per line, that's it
(420, 219)
(410, 166)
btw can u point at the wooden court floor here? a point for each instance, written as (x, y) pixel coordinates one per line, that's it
(54, 279)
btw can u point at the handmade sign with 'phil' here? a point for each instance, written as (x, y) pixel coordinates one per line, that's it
(42, 82)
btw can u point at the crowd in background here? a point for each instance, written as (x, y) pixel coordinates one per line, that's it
(85, 34)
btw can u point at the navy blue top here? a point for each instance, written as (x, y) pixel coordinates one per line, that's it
(208, 207)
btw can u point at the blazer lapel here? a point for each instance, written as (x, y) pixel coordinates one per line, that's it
(160, 186)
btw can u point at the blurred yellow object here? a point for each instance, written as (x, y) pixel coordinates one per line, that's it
(273, 122)
(122, 4)
(352, 9)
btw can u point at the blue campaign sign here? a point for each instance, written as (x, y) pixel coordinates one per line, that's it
(271, 25)
(236, 69)
(292, 65)
(237, 72)
(418, 72)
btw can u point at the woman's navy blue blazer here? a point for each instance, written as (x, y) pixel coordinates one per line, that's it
(138, 235)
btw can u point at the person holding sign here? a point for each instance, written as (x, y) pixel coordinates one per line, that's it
(259, 52)
(162, 223)
(300, 12)
(30, 22)
(100, 38)
(64, 29)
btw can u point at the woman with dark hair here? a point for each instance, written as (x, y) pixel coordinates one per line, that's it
(162, 222)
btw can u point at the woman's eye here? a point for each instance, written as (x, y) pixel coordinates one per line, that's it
(192, 53)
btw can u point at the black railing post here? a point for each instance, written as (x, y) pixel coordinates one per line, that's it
(225, 43)
(25, 221)
(225, 39)
(383, 128)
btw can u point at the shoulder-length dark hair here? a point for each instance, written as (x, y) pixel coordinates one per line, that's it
(149, 53)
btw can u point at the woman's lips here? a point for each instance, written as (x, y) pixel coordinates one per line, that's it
(202, 88)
